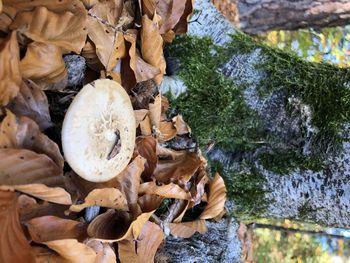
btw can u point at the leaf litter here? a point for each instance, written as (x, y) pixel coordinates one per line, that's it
(44, 204)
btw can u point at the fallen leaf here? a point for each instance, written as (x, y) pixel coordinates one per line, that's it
(43, 63)
(170, 190)
(140, 116)
(170, 154)
(20, 166)
(32, 102)
(155, 111)
(198, 187)
(170, 11)
(106, 197)
(72, 251)
(10, 76)
(146, 147)
(152, 46)
(180, 169)
(89, 3)
(181, 26)
(187, 229)
(216, 198)
(25, 133)
(52, 194)
(169, 36)
(108, 11)
(178, 211)
(103, 227)
(128, 181)
(167, 131)
(144, 248)
(145, 126)
(149, 203)
(104, 251)
(14, 245)
(66, 30)
(181, 126)
(48, 228)
(0, 6)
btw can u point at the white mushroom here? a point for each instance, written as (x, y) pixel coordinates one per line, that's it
(98, 133)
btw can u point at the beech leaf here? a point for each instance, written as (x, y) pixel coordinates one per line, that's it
(52, 194)
(181, 126)
(144, 249)
(10, 76)
(187, 229)
(32, 102)
(43, 63)
(167, 131)
(104, 251)
(48, 228)
(146, 147)
(216, 198)
(14, 246)
(106, 197)
(170, 190)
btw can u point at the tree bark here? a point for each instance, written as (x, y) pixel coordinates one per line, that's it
(256, 16)
(321, 197)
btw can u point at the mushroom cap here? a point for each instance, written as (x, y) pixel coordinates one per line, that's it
(99, 121)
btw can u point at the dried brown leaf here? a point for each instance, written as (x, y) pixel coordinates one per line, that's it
(20, 166)
(72, 251)
(108, 11)
(181, 26)
(146, 147)
(155, 111)
(103, 226)
(145, 126)
(216, 198)
(32, 102)
(10, 76)
(198, 187)
(128, 181)
(170, 11)
(144, 249)
(52, 194)
(181, 126)
(106, 197)
(66, 30)
(48, 228)
(43, 63)
(170, 190)
(25, 133)
(180, 169)
(14, 246)
(187, 229)
(140, 116)
(148, 203)
(167, 131)
(152, 46)
(104, 251)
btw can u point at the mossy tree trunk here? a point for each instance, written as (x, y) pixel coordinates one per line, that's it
(278, 123)
(263, 15)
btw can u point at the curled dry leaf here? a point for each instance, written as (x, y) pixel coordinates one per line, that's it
(20, 166)
(142, 70)
(103, 226)
(144, 249)
(106, 197)
(216, 198)
(152, 46)
(149, 203)
(32, 102)
(187, 229)
(52, 194)
(146, 147)
(104, 251)
(0, 6)
(140, 116)
(25, 133)
(181, 126)
(89, 53)
(155, 111)
(72, 251)
(10, 76)
(89, 3)
(170, 190)
(180, 169)
(108, 11)
(129, 179)
(181, 26)
(43, 63)
(48, 228)
(13, 243)
(145, 126)
(167, 131)
(170, 12)
(66, 30)
(198, 188)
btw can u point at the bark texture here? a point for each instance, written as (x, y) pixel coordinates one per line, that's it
(321, 197)
(255, 16)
